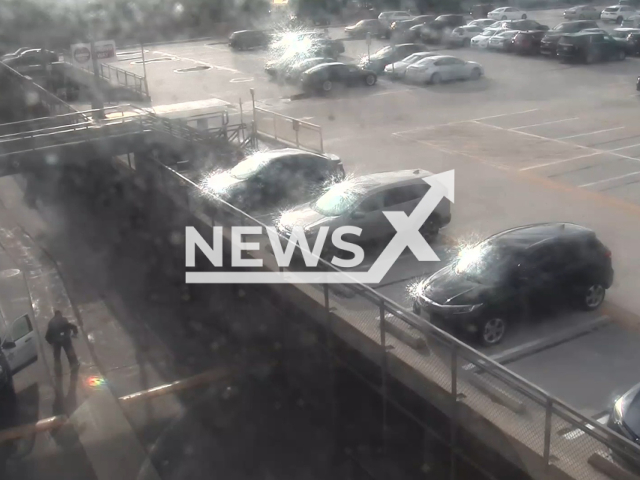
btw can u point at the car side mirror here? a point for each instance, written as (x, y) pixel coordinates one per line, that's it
(356, 214)
(8, 344)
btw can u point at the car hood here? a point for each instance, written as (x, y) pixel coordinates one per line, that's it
(224, 186)
(302, 216)
(631, 410)
(446, 287)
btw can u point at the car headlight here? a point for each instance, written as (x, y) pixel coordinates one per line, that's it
(459, 309)
(617, 412)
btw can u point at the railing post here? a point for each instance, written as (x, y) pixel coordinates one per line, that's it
(321, 145)
(297, 140)
(454, 411)
(383, 370)
(547, 432)
(275, 128)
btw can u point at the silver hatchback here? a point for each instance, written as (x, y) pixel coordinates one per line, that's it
(361, 201)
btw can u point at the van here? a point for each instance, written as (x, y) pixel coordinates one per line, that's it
(18, 341)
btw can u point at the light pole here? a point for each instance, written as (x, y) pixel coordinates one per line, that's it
(97, 102)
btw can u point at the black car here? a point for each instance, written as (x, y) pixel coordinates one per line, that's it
(388, 55)
(247, 39)
(436, 31)
(526, 24)
(324, 77)
(629, 39)
(550, 40)
(268, 181)
(624, 419)
(402, 29)
(589, 47)
(527, 43)
(371, 26)
(497, 281)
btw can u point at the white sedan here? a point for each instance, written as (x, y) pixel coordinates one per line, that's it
(461, 36)
(617, 13)
(441, 68)
(482, 40)
(507, 13)
(398, 69)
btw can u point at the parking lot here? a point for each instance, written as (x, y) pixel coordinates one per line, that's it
(534, 140)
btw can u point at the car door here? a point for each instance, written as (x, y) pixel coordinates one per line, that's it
(369, 217)
(20, 346)
(610, 47)
(459, 69)
(444, 67)
(597, 46)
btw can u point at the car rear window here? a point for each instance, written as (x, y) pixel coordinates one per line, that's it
(611, 9)
(566, 40)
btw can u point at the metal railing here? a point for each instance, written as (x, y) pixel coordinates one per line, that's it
(288, 130)
(558, 435)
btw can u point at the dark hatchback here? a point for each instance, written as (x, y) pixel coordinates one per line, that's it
(629, 39)
(388, 55)
(269, 181)
(527, 43)
(498, 280)
(590, 47)
(323, 78)
(248, 39)
(551, 39)
(624, 419)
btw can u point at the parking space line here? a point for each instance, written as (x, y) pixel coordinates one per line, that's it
(609, 179)
(504, 115)
(555, 162)
(591, 133)
(624, 148)
(544, 123)
(573, 434)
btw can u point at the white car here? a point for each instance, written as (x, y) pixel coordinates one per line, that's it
(440, 68)
(507, 13)
(481, 22)
(631, 22)
(398, 69)
(482, 40)
(461, 36)
(617, 13)
(502, 41)
(387, 18)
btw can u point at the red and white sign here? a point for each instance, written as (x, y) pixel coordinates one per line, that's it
(105, 51)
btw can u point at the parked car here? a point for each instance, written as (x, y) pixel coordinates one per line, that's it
(324, 77)
(389, 54)
(482, 40)
(371, 26)
(506, 13)
(398, 69)
(296, 70)
(248, 39)
(590, 47)
(627, 38)
(617, 13)
(361, 201)
(276, 179)
(526, 24)
(481, 10)
(438, 30)
(624, 419)
(481, 22)
(491, 284)
(31, 61)
(631, 22)
(550, 40)
(584, 12)
(387, 18)
(16, 53)
(502, 41)
(437, 69)
(401, 31)
(633, 44)
(527, 43)
(461, 36)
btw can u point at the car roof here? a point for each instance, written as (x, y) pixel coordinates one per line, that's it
(271, 155)
(323, 65)
(527, 236)
(382, 180)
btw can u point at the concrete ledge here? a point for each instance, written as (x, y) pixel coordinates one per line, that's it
(600, 462)
(403, 332)
(496, 395)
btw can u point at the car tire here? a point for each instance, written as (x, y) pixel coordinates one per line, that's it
(327, 86)
(592, 297)
(435, 79)
(475, 74)
(524, 16)
(370, 80)
(491, 331)
(619, 20)
(466, 43)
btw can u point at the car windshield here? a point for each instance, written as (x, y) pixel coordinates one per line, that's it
(249, 167)
(567, 27)
(424, 61)
(383, 52)
(484, 263)
(488, 33)
(339, 199)
(412, 58)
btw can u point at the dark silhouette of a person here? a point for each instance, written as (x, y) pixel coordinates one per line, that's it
(58, 335)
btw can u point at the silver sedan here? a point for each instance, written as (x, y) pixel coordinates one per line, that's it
(437, 69)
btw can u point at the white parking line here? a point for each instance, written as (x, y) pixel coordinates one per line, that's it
(623, 148)
(545, 123)
(609, 179)
(200, 62)
(540, 165)
(505, 115)
(591, 133)
(389, 92)
(573, 434)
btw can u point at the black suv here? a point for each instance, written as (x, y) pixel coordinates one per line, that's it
(500, 278)
(550, 40)
(590, 47)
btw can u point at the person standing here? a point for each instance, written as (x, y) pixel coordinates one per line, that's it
(59, 332)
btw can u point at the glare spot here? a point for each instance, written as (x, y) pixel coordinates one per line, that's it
(31, 99)
(51, 158)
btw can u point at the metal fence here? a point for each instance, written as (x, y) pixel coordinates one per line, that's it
(555, 435)
(124, 78)
(287, 130)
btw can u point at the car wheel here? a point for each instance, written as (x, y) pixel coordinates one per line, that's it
(466, 43)
(370, 80)
(327, 86)
(430, 229)
(619, 20)
(475, 74)
(504, 17)
(435, 79)
(492, 331)
(621, 55)
(593, 296)
(524, 16)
